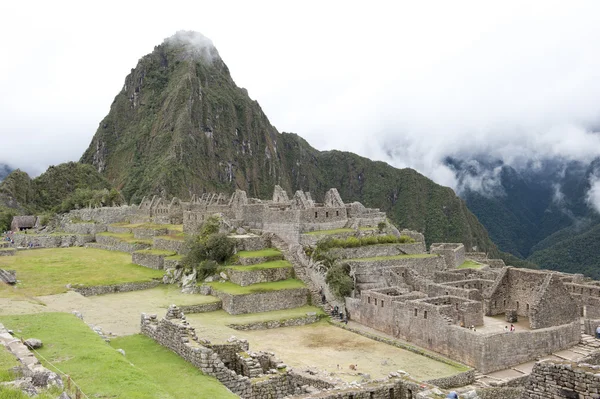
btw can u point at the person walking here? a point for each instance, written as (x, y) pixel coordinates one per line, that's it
(598, 332)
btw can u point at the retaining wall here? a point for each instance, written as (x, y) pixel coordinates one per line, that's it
(201, 308)
(111, 289)
(249, 277)
(52, 241)
(115, 244)
(8, 252)
(266, 325)
(562, 380)
(167, 244)
(371, 251)
(150, 260)
(263, 301)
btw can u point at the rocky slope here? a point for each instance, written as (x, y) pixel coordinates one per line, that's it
(180, 125)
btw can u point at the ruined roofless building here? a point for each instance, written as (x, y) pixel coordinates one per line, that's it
(286, 217)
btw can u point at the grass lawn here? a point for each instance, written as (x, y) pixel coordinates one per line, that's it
(48, 271)
(156, 252)
(470, 264)
(160, 364)
(145, 373)
(415, 256)
(276, 264)
(127, 237)
(329, 232)
(175, 257)
(13, 393)
(234, 289)
(263, 253)
(7, 361)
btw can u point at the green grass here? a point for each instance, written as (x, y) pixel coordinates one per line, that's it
(156, 252)
(7, 361)
(12, 393)
(330, 232)
(276, 264)
(415, 256)
(263, 253)
(48, 271)
(126, 237)
(234, 289)
(469, 264)
(145, 373)
(174, 257)
(160, 364)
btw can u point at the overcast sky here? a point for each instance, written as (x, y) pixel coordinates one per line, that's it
(405, 82)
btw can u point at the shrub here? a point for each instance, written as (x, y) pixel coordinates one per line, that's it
(381, 226)
(339, 280)
(206, 268)
(219, 247)
(210, 226)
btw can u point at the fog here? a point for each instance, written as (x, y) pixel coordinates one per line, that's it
(410, 84)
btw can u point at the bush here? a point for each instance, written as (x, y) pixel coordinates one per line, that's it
(206, 268)
(381, 226)
(210, 226)
(219, 247)
(339, 280)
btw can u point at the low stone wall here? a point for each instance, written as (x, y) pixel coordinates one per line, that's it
(263, 301)
(312, 239)
(167, 244)
(8, 252)
(267, 325)
(371, 251)
(84, 228)
(201, 308)
(52, 241)
(146, 233)
(590, 325)
(257, 260)
(249, 242)
(249, 277)
(111, 289)
(500, 393)
(453, 381)
(119, 229)
(562, 380)
(148, 259)
(105, 215)
(114, 244)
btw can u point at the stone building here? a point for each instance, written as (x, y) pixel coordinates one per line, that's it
(20, 223)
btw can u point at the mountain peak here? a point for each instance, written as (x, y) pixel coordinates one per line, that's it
(193, 46)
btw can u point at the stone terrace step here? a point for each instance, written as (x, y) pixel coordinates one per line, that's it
(151, 258)
(260, 273)
(248, 258)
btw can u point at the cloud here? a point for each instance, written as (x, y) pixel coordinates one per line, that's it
(195, 45)
(593, 195)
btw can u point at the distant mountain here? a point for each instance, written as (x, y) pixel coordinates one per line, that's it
(180, 126)
(538, 213)
(4, 171)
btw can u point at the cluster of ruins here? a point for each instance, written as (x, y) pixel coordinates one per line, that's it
(403, 290)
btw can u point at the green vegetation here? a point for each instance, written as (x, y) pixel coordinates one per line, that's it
(160, 365)
(263, 253)
(14, 393)
(85, 197)
(275, 264)
(375, 258)
(7, 361)
(48, 271)
(174, 237)
(355, 242)
(101, 371)
(331, 232)
(339, 280)
(234, 289)
(469, 264)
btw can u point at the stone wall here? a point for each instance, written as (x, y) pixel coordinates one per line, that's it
(147, 233)
(201, 308)
(111, 289)
(266, 325)
(554, 305)
(248, 277)
(563, 380)
(262, 301)
(370, 251)
(84, 228)
(149, 259)
(105, 215)
(453, 381)
(249, 242)
(454, 254)
(115, 244)
(8, 251)
(51, 240)
(167, 244)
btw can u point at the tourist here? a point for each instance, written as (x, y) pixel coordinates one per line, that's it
(512, 328)
(505, 328)
(452, 395)
(598, 332)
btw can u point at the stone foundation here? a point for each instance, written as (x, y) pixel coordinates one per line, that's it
(266, 325)
(201, 308)
(149, 259)
(8, 252)
(167, 244)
